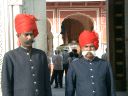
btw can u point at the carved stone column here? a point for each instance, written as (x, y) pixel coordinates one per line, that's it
(117, 42)
(126, 40)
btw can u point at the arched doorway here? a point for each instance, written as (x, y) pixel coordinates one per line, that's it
(74, 24)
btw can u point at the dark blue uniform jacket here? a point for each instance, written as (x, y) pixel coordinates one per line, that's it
(25, 74)
(90, 78)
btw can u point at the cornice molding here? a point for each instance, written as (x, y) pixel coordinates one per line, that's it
(72, 0)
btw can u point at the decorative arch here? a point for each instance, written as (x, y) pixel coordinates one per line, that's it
(86, 20)
(73, 25)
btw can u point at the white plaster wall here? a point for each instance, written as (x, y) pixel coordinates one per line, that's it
(3, 32)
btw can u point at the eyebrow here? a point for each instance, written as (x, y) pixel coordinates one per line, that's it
(89, 45)
(28, 33)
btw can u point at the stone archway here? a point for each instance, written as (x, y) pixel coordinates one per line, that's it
(74, 24)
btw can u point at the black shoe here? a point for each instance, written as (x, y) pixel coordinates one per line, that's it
(50, 83)
(56, 87)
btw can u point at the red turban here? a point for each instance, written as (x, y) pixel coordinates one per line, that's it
(26, 23)
(87, 37)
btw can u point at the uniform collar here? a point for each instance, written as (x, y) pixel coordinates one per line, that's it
(25, 49)
(90, 60)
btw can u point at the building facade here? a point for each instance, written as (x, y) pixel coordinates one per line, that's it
(73, 17)
(52, 15)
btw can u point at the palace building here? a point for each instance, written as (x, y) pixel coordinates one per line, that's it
(61, 21)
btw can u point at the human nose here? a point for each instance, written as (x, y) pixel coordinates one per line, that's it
(89, 48)
(29, 36)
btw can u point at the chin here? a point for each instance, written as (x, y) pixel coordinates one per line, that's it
(89, 56)
(28, 45)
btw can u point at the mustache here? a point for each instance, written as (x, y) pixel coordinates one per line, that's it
(86, 52)
(29, 41)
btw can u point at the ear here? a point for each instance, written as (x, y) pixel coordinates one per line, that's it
(17, 35)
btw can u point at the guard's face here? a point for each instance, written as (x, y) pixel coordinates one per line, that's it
(88, 51)
(26, 39)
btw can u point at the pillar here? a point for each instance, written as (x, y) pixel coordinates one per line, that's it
(126, 40)
(38, 8)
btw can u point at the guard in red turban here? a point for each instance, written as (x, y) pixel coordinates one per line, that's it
(26, 23)
(91, 74)
(87, 37)
(25, 69)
